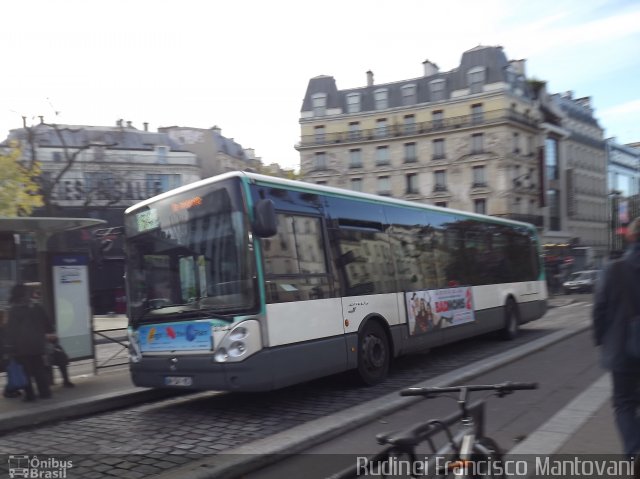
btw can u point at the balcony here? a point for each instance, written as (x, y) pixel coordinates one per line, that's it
(400, 131)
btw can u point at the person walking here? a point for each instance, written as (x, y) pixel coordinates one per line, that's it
(27, 333)
(617, 298)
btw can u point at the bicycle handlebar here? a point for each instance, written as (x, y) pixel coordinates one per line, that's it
(501, 387)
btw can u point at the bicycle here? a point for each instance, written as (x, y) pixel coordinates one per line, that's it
(466, 454)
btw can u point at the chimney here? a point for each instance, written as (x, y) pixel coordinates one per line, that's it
(430, 68)
(41, 119)
(217, 129)
(128, 124)
(24, 121)
(518, 66)
(119, 123)
(146, 126)
(369, 78)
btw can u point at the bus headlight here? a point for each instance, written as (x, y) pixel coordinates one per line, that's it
(239, 343)
(237, 349)
(221, 355)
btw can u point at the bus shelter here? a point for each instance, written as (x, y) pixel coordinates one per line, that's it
(63, 277)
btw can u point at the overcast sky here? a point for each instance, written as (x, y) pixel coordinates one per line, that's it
(245, 65)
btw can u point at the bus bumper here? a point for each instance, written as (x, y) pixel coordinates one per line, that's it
(253, 374)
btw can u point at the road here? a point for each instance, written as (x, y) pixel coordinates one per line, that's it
(158, 437)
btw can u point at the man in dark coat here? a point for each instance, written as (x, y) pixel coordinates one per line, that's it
(26, 337)
(610, 318)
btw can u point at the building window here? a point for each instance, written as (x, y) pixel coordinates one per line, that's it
(440, 180)
(477, 143)
(516, 142)
(353, 102)
(319, 103)
(412, 183)
(410, 155)
(319, 134)
(480, 206)
(355, 158)
(354, 130)
(384, 185)
(382, 155)
(321, 182)
(438, 149)
(479, 178)
(437, 90)
(381, 99)
(159, 183)
(477, 114)
(409, 95)
(437, 118)
(162, 154)
(441, 204)
(57, 156)
(381, 127)
(476, 79)
(320, 161)
(356, 184)
(553, 200)
(409, 124)
(551, 158)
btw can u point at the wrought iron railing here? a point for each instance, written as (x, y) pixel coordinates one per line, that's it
(397, 131)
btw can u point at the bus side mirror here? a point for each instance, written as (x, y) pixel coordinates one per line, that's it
(264, 223)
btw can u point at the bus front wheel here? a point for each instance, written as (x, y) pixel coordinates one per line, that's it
(373, 354)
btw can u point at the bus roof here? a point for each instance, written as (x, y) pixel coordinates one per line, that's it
(312, 187)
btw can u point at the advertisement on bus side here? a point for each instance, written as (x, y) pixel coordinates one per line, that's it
(433, 309)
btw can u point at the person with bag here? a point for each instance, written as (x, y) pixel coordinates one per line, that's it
(616, 328)
(26, 337)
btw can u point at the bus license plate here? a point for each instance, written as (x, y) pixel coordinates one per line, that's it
(183, 381)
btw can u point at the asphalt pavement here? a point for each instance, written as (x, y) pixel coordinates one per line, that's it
(584, 426)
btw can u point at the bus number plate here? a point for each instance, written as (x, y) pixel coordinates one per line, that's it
(184, 381)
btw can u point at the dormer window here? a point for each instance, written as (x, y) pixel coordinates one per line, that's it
(437, 90)
(353, 103)
(409, 95)
(319, 103)
(381, 98)
(162, 154)
(476, 77)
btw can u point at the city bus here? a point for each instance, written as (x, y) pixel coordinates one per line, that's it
(245, 282)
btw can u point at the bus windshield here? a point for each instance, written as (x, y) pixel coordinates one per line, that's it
(190, 252)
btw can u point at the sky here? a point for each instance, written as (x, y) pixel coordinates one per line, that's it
(245, 65)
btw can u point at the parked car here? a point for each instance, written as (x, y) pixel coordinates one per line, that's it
(581, 282)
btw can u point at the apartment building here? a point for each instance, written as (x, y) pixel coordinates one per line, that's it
(467, 138)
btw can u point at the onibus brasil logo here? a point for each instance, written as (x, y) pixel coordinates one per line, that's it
(33, 467)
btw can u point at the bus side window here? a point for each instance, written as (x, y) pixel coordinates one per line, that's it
(295, 261)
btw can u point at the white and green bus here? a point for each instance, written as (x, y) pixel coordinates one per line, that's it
(244, 282)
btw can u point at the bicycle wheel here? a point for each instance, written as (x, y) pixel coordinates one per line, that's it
(487, 459)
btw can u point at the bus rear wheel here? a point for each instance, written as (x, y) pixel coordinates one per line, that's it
(511, 320)
(373, 354)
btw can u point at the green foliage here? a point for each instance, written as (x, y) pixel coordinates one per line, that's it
(18, 190)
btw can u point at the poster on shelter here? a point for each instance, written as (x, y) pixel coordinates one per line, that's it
(434, 309)
(72, 306)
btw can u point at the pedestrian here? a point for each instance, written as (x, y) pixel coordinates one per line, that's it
(8, 392)
(27, 333)
(57, 356)
(616, 300)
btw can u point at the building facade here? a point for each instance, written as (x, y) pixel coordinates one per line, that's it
(466, 139)
(481, 137)
(623, 189)
(216, 153)
(96, 171)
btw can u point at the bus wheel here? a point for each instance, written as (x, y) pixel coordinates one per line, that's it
(373, 354)
(511, 320)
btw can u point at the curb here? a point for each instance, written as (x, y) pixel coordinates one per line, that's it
(232, 463)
